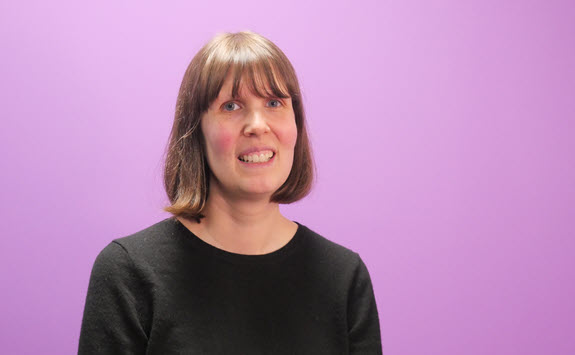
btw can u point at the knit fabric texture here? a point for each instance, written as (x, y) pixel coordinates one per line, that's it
(164, 290)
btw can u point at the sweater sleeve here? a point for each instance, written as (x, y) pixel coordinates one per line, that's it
(113, 315)
(363, 319)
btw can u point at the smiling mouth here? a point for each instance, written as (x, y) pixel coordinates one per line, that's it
(257, 158)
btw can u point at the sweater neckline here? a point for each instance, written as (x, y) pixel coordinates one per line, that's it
(272, 257)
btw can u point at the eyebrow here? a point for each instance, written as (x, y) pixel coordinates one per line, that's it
(229, 96)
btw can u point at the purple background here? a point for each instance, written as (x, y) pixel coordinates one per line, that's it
(443, 134)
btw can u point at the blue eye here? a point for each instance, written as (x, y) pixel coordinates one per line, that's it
(230, 106)
(274, 103)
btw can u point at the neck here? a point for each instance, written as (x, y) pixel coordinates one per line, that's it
(242, 226)
(241, 214)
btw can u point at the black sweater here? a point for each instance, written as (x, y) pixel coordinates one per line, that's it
(165, 291)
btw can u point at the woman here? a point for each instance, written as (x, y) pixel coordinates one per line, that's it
(228, 274)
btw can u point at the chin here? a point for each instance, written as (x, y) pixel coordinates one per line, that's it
(260, 192)
(263, 189)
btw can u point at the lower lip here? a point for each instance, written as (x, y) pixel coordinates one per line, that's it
(258, 165)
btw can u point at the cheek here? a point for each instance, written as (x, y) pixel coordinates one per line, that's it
(288, 135)
(220, 140)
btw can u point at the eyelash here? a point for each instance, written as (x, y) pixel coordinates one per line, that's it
(279, 102)
(224, 106)
(276, 100)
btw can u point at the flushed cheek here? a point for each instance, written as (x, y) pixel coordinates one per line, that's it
(288, 136)
(221, 141)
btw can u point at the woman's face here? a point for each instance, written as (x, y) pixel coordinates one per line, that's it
(249, 143)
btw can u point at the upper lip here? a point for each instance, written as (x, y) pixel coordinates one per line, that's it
(256, 149)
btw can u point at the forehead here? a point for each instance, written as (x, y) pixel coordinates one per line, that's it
(261, 82)
(243, 89)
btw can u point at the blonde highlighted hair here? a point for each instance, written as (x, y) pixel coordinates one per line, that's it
(257, 63)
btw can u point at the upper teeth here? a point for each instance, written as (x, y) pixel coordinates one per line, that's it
(257, 157)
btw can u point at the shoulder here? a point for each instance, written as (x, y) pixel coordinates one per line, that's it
(328, 252)
(141, 249)
(154, 235)
(161, 237)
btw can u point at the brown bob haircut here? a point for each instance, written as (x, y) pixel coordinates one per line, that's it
(259, 64)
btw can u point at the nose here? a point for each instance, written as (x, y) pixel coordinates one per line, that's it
(256, 123)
